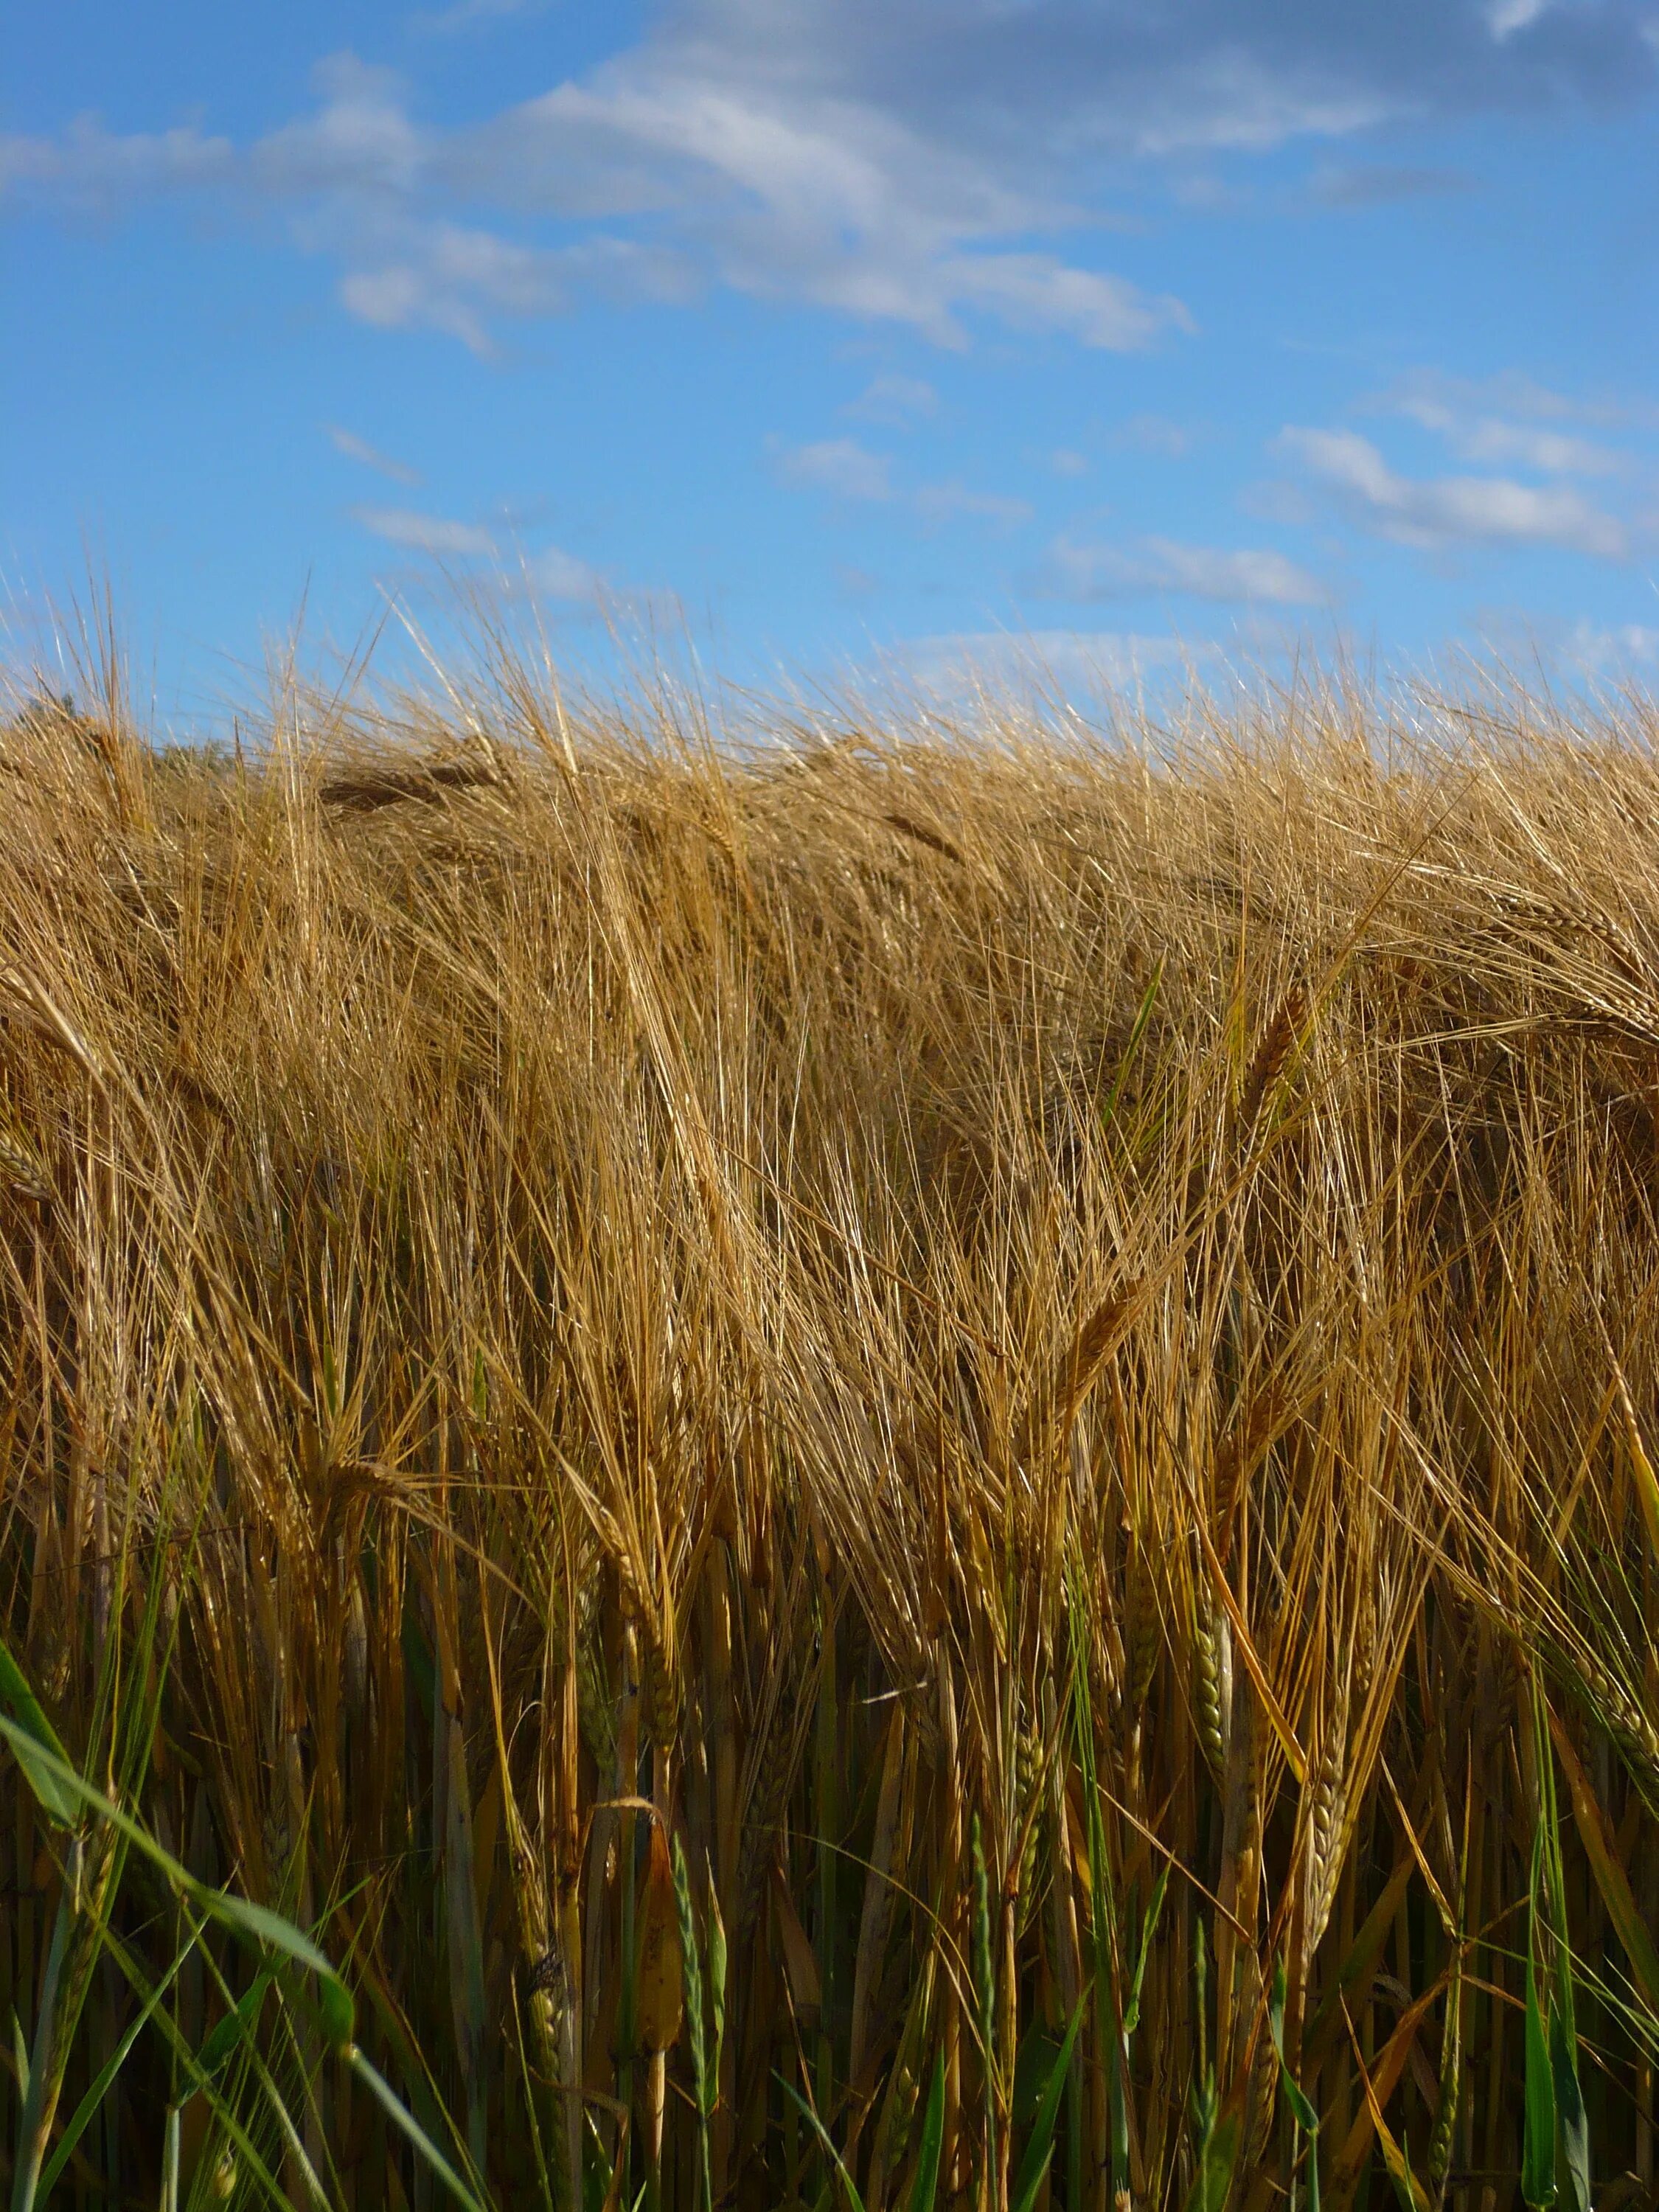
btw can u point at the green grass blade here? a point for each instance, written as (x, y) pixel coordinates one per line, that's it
(31, 1735)
(1601, 1851)
(1538, 2141)
(1398, 2163)
(402, 2119)
(240, 2021)
(829, 2150)
(705, 2088)
(186, 2060)
(26, 2178)
(1294, 2096)
(717, 1975)
(254, 1924)
(1148, 1929)
(924, 2186)
(1214, 2178)
(985, 1992)
(1572, 2123)
(170, 2163)
(1040, 2146)
(79, 2120)
(1144, 1015)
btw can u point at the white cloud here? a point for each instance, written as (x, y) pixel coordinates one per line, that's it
(554, 574)
(1614, 650)
(855, 586)
(840, 466)
(1038, 292)
(955, 501)
(448, 279)
(790, 188)
(360, 138)
(360, 450)
(466, 14)
(1154, 434)
(896, 401)
(1515, 397)
(1045, 661)
(935, 165)
(1438, 512)
(1157, 566)
(847, 470)
(773, 182)
(1372, 184)
(91, 168)
(550, 574)
(401, 296)
(1551, 453)
(1066, 461)
(445, 277)
(1477, 430)
(1505, 17)
(426, 533)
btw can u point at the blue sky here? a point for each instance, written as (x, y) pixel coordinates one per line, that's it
(837, 328)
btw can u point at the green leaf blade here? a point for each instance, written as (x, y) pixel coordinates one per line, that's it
(1039, 2147)
(31, 1735)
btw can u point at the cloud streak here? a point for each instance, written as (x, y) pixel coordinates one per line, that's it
(1508, 420)
(1441, 514)
(369, 457)
(1044, 661)
(940, 504)
(840, 466)
(445, 539)
(1370, 184)
(1161, 567)
(845, 469)
(1612, 651)
(550, 574)
(933, 166)
(898, 401)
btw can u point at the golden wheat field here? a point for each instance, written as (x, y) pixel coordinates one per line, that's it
(883, 1461)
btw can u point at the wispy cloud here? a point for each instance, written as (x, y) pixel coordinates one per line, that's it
(411, 532)
(1438, 513)
(557, 575)
(549, 574)
(1525, 445)
(1375, 184)
(359, 449)
(445, 277)
(1040, 292)
(937, 167)
(1046, 661)
(847, 470)
(840, 466)
(1612, 650)
(954, 501)
(1506, 17)
(1153, 434)
(776, 183)
(1505, 423)
(1156, 566)
(1514, 396)
(894, 401)
(90, 168)
(469, 14)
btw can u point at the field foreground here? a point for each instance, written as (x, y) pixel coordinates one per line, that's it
(935, 1442)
